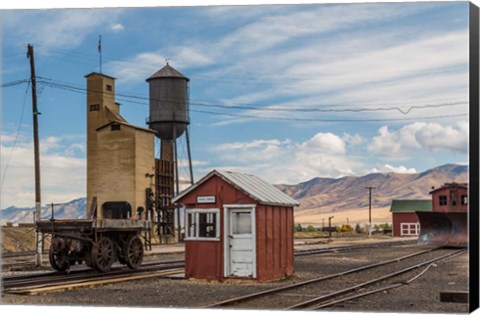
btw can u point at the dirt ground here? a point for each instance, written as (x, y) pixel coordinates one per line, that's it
(17, 239)
(419, 297)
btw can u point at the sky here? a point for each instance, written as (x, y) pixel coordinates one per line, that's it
(285, 92)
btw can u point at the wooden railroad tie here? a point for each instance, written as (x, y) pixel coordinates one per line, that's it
(454, 296)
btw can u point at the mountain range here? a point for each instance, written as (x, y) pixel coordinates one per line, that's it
(316, 196)
(74, 209)
(349, 192)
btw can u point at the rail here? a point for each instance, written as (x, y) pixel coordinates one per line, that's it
(18, 284)
(242, 299)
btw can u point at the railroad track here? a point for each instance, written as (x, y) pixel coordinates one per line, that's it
(340, 287)
(18, 254)
(58, 281)
(27, 258)
(302, 252)
(49, 281)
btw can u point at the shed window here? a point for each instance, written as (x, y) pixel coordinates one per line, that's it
(409, 229)
(202, 224)
(464, 200)
(94, 108)
(242, 223)
(109, 87)
(442, 200)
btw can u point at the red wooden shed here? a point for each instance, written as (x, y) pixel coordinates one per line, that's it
(404, 217)
(237, 226)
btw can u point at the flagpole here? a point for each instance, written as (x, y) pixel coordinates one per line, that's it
(100, 50)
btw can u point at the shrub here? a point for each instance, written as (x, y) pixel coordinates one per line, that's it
(346, 228)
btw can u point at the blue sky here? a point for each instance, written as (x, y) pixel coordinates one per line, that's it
(286, 92)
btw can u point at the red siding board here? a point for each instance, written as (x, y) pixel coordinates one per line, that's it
(450, 193)
(402, 217)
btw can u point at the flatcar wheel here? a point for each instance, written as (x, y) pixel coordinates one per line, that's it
(133, 252)
(58, 259)
(103, 254)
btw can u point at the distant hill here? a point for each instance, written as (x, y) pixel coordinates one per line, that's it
(349, 192)
(316, 196)
(74, 209)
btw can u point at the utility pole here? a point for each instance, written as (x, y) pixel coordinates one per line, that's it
(330, 225)
(36, 150)
(370, 188)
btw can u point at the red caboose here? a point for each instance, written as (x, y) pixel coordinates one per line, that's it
(447, 224)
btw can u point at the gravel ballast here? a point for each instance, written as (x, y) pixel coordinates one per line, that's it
(422, 295)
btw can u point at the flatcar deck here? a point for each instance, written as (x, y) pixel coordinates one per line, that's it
(100, 225)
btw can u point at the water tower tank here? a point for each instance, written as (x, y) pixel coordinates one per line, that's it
(168, 103)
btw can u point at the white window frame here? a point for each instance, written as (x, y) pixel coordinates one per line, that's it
(196, 212)
(408, 227)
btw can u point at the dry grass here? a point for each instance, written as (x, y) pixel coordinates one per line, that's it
(17, 239)
(316, 217)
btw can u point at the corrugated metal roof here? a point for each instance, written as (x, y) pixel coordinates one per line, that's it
(167, 72)
(256, 188)
(411, 205)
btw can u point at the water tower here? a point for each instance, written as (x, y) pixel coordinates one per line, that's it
(169, 118)
(168, 103)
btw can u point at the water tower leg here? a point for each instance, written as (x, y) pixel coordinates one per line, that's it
(177, 188)
(189, 155)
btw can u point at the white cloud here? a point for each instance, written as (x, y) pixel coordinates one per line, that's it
(61, 28)
(330, 155)
(416, 136)
(397, 142)
(139, 67)
(349, 69)
(254, 151)
(285, 161)
(285, 51)
(63, 174)
(326, 143)
(387, 168)
(117, 27)
(436, 137)
(353, 140)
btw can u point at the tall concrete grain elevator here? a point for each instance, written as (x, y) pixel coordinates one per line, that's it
(169, 118)
(125, 178)
(119, 155)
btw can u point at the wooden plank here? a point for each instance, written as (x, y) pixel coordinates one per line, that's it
(454, 296)
(69, 286)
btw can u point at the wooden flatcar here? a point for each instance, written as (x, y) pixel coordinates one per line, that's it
(97, 243)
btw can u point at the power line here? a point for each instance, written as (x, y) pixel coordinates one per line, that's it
(143, 97)
(18, 133)
(70, 52)
(318, 109)
(331, 110)
(327, 120)
(13, 83)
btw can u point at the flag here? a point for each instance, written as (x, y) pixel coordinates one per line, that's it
(99, 43)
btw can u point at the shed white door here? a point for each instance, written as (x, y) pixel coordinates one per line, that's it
(240, 243)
